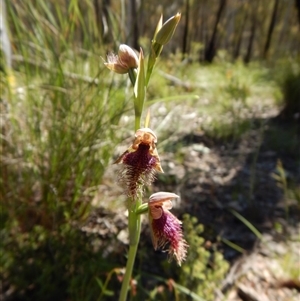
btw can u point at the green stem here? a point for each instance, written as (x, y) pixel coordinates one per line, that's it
(137, 122)
(154, 54)
(134, 226)
(127, 276)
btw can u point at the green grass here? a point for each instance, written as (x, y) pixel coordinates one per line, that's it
(61, 109)
(226, 97)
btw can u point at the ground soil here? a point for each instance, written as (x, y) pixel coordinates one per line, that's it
(217, 179)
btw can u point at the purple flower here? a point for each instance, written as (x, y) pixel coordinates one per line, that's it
(166, 231)
(140, 162)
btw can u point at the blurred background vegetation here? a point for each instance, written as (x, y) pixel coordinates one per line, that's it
(64, 117)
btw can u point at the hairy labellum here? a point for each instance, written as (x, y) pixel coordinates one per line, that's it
(138, 170)
(166, 229)
(140, 163)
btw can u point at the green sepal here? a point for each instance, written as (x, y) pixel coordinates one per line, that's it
(154, 54)
(139, 91)
(132, 75)
(142, 209)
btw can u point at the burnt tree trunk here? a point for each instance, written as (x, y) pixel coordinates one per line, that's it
(237, 48)
(248, 55)
(211, 49)
(133, 34)
(297, 3)
(103, 20)
(186, 28)
(202, 33)
(271, 29)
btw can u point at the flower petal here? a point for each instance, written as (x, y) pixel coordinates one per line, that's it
(142, 132)
(156, 212)
(161, 197)
(128, 57)
(117, 68)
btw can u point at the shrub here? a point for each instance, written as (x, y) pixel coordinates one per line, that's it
(290, 87)
(204, 270)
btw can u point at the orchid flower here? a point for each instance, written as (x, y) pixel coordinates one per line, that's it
(125, 60)
(140, 162)
(166, 231)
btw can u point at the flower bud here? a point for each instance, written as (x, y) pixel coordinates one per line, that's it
(128, 57)
(125, 60)
(165, 33)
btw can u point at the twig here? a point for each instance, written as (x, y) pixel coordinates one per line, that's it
(44, 66)
(176, 81)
